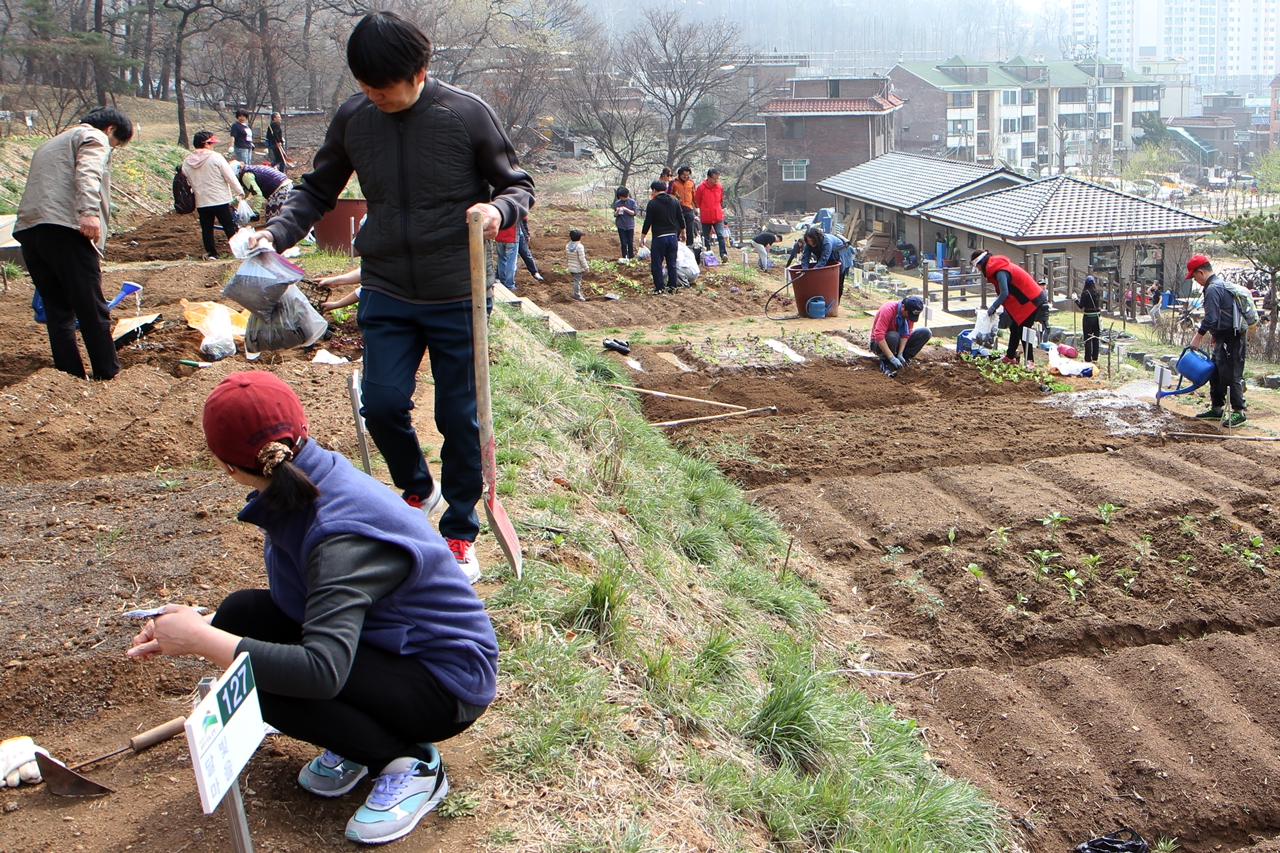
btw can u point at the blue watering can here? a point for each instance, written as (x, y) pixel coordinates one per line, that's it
(1194, 366)
(127, 288)
(816, 308)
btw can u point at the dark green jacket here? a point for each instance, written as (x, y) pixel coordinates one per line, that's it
(419, 170)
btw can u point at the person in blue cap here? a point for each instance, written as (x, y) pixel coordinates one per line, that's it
(894, 336)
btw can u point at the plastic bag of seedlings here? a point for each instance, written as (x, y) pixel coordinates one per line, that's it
(260, 282)
(293, 323)
(984, 328)
(244, 213)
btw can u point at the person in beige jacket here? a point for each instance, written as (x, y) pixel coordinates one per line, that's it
(215, 187)
(62, 226)
(576, 255)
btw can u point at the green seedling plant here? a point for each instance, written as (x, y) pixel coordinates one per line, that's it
(977, 572)
(951, 540)
(1072, 584)
(1188, 526)
(1091, 563)
(932, 606)
(892, 555)
(1051, 521)
(1166, 845)
(1228, 548)
(1253, 559)
(1042, 562)
(998, 539)
(1127, 575)
(1106, 512)
(1184, 562)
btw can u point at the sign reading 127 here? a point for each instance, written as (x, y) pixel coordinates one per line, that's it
(238, 685)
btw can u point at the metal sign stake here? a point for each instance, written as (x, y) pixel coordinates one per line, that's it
(232, 803)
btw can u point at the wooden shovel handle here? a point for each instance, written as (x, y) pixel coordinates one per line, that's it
(159, 734)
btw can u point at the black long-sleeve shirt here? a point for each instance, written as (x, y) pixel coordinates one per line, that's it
(663, 215)
(1087, 301)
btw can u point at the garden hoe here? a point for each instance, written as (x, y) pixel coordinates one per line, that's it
(499, 523)
(66, 782)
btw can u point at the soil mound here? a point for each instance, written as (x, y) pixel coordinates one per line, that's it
(168, 237)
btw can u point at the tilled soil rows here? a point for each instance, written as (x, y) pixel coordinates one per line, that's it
(1087, 612)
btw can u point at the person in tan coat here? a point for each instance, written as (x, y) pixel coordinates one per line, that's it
(62, 226)
(215, 186)
(576, 257)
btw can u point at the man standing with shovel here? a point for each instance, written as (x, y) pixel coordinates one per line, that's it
(426, 154)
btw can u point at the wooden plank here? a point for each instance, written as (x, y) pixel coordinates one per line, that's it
(558, 325)
(502, 296)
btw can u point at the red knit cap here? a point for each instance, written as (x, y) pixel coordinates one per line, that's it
(247, 411)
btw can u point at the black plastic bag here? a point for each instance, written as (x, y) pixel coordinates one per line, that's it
(293, 323)
(1121, 841)
(260, 282)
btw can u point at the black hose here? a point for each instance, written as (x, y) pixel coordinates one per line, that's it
(785, 285)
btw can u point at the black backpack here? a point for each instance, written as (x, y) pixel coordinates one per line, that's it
(184, 198)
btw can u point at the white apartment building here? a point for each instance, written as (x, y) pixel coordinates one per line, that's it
(1031, 115)
(1221, 39)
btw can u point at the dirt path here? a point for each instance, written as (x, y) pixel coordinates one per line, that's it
(1145, 701)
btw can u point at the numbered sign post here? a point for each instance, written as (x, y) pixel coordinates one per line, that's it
(223, 732)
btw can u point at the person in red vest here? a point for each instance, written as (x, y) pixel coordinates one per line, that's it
(1023, 300)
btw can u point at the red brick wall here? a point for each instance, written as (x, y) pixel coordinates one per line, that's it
(923, 117)
(831, 144)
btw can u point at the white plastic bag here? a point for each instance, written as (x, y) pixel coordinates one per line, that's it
(219, 335)
(244, 213)
(686, 265)
(293, 323)
(642, 254)
(984, 328)
(260, 282)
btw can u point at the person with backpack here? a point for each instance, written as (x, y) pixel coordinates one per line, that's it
(62, 226)
(215, 185)
(1090, 304)
(1227, 317)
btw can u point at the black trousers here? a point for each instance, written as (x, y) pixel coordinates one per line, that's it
(690, 224)
(1041, 316)
(389, 706)
(65, 269)
(627, 242)
(1092, 334)
(221, 212)
(1228, 377)
(919, 337)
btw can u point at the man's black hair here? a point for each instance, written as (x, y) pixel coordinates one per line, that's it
(240, 113)
(711, 172)
(1206, 266)
(575, 235)
(104, 117)
(658, 186)
(384, 48)
(201, 139)
(621, 192)
(683, 169)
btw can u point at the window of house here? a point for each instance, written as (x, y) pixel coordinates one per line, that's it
(795, 170)
(982, 112)
(1104, 95)
(1010, 125)
(1028, 96)
(1028, 150)
(1073, 96)
(1146, 93)
(1009, 97)
(984, 141)
(1028, 124)
(960, 127)
(1073, 121)
(1104, 119)
(833, 88)
(960, 100)
(793, 128)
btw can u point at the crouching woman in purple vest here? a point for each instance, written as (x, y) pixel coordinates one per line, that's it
(369, 641)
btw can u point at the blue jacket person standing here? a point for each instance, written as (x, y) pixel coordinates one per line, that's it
(426, 154)
(1222, 320)
(822, 249)
(369, 640)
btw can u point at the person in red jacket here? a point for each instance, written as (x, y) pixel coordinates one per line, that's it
(709, 199)
(1023, 300)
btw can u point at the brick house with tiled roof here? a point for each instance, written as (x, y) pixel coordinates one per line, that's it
(827, 125)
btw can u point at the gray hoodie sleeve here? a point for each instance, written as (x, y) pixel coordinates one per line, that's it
(345, 575)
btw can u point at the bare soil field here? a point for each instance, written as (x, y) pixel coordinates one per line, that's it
(1091, 666)
(109, 505)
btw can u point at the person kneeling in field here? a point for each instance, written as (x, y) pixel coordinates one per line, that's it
(893, 334)
(369, 640)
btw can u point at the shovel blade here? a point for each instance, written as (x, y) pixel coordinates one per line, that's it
(68, 783)
(504, 531)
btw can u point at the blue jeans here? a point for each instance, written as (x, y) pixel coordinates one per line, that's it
(396, 334)
(506, 271)
(665, 248)
(244, 155)
(720, 231)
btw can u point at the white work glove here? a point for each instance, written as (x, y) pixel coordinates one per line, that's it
(18, 761)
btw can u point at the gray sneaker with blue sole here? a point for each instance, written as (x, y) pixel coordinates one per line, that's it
(329, 775)
(402, 795)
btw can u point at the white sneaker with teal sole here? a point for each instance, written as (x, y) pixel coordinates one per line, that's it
(407, 789)
(329, 775)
